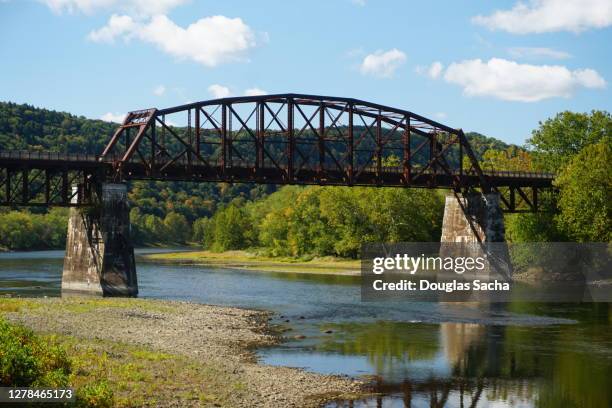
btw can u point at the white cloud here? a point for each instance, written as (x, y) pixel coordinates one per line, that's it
(382, 64)
(219, 91)
(159, 90)
(539, 16)
(209, 41)
(117, 26)
(254, 92)
(511, 81)
(589, 78)
(113, 117)
(537, 52)
(440, 115)
(131, 7)
(435, 70)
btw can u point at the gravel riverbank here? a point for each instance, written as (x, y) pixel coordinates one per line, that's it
(215, 338)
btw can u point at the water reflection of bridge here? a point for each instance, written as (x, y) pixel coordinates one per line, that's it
(435, 393)
(483, 370)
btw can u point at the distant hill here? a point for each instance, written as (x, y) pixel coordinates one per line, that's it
(26, 127)
(481, 143)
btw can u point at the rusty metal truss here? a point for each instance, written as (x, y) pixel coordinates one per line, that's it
(274, 139)
(45, 179)
(292, 139)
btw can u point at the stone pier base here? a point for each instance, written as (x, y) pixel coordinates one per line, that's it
(99, 253)
(477, 229)
(484, 212)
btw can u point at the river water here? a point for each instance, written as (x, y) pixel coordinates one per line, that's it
(418, 354)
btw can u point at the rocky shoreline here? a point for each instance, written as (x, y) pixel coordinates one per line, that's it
(216, 337)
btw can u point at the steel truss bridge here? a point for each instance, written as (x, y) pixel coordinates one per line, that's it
(273, 139)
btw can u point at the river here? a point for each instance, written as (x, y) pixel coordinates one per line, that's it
(419, 354)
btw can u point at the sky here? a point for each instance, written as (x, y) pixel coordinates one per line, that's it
(495, 67)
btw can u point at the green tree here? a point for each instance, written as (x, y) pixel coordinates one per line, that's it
(560, 138)
(534, 227)
(201, 231)
(17, 231)
(155, 228)
(557, 144)
(273, 232)
(177, 228)
(586, 194)
(231, 228)
(137, 231)
(309, 231)
(512, 159)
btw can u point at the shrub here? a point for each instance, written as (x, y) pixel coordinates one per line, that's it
(95, 395)
(28, 360)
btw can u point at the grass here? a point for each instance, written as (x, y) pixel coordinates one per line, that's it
(83, 305)
(141, 377)
(8, 305)
(255, 262)
(115, 374)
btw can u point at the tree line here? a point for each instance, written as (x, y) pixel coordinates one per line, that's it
(578, 148)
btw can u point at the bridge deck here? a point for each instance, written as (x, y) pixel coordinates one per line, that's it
(181, 170)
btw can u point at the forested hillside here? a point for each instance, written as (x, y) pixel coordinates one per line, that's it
(24, 127)
(297, 221)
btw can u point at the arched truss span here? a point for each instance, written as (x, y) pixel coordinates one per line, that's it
(293, 139)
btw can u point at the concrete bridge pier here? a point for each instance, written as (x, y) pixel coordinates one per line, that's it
(474, 226)
(482, 211)
(99, 258)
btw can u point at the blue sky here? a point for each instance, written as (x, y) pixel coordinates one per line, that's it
(493, 67)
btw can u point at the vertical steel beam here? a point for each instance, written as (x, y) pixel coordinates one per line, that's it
(229, 140)
(378, 147)
(290, 139)
(351, 146)
(223, 137)
(321, 141)
(406, 152)
(47, 186)
(24, 187)
(261, 129)
(163, 134)
(153, 146)
(189, 139)
(432, 151)
(461, 160)
(8, 186)
(84, 196)
(197, 130)
(65, 187)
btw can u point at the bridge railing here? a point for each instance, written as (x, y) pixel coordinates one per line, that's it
(525, 174)
(183, 161)
(39, 155)
(489, 173)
